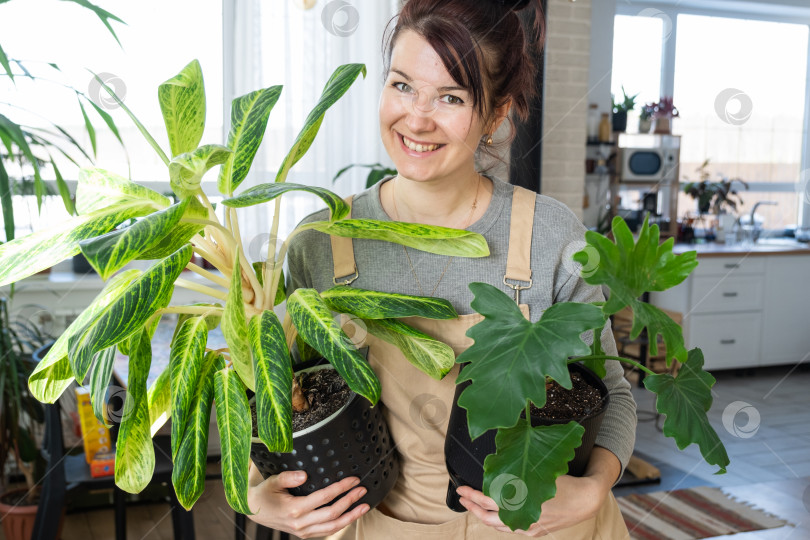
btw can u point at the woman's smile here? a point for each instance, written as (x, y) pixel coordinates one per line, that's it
(418, 148)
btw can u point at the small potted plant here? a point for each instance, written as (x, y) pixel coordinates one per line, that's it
(244, 293)
(718, 197)
(377, 171)
(514, 365)
(21, 418)
(620, 110)
(645, 117)
(665, 111)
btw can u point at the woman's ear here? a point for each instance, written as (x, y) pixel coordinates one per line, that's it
(500, 115)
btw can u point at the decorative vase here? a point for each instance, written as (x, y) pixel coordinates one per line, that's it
(464, 457)
(663, 125)
(353, 441)
(644, 125)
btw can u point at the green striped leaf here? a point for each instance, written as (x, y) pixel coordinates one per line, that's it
(267, 192)
(233, 422)
(340, 81)
(212, 318)
(182, 102)
(234, 327)
(28, 255)
(53, 374)
(181, 233)
(274, 375)
(100, 377)
(382, 305)
(314, 322)
(159, 399)
(16, 134)
(429, 355)
(188, 475)
(134, 451)
(150, 327)
(186, 365)
(430, 238)
(109, 253)
(98, 189)
(187, 169)
(145, 295)
(64, 191)
(107, 120)
(249, 114)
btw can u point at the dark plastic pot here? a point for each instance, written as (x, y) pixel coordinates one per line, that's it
(620, 121)
(354, 441)
(465, 458)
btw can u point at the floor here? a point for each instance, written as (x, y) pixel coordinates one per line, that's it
(769, 450)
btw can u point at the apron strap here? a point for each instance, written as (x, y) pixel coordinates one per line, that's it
(518, 261)
(343, 256)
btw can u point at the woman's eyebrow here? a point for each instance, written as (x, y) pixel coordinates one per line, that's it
(442, 89)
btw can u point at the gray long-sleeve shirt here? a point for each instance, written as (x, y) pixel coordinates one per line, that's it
(557, 235)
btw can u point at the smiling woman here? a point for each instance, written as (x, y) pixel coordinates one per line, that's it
(454, 71)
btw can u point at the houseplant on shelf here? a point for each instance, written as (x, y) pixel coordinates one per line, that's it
(513, 363)
(645, 117)
(127, 311)
(665, 111)
(620, 110)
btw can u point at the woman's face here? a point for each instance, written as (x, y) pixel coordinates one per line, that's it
(427, 122)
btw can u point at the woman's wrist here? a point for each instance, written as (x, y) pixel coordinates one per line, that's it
(603, 467)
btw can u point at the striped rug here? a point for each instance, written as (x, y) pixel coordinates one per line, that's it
(690, 514)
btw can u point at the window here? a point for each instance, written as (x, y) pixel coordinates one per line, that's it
(739, 82)
(158, 40)
(740, 89)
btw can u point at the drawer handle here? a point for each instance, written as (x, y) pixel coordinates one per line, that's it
(729, 294)
(728, 341)
(732, 265)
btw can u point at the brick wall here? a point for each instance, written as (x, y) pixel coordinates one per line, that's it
(566, 101)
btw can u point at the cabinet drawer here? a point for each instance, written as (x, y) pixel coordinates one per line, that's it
(728, 341)
(722, 266)
(712, 294)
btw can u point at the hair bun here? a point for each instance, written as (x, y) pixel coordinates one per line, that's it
(514, 5)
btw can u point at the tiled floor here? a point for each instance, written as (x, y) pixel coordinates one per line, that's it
(768, 441)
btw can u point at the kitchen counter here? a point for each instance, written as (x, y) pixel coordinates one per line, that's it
(766, 246)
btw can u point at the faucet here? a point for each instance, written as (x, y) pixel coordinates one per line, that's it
(754, 230)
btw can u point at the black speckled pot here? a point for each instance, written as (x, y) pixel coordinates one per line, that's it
(465, 458)
(354, 441)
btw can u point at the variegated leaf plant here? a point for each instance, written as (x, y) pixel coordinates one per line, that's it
(125, 314)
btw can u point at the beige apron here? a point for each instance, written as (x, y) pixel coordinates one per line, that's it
(417, 409)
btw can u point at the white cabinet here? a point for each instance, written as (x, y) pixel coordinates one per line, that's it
(745, 310)
(786, 310)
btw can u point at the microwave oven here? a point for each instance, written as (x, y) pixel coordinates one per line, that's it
(658, 164)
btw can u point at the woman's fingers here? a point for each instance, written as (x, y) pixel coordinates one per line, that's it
(478, 498)
(327, 494)
(331, 527)
(319, 522)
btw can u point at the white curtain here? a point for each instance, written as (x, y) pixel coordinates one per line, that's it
(274, 42)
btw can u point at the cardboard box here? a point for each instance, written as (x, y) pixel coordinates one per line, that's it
(95, 435)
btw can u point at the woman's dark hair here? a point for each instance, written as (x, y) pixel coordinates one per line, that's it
(481, 44)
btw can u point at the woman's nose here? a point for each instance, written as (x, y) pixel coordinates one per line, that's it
(420, 106)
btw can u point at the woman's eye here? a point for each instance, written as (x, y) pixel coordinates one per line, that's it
(453, 100)
(401, 86)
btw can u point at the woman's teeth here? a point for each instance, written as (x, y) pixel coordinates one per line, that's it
(419, 147)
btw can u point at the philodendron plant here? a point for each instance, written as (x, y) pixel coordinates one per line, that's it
(125, 314)
(513, 359)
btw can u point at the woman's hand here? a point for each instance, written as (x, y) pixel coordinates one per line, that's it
(576, 500)
(274, 507)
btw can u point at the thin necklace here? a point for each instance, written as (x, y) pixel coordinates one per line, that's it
(450, 258)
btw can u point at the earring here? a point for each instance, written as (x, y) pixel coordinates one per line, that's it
(489, 140)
